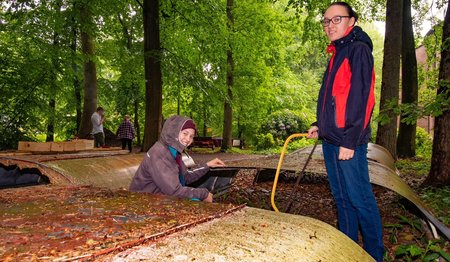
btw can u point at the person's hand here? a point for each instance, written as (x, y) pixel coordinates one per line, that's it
(215, 163)
(345, 153)
(209, 198)
(313, 132)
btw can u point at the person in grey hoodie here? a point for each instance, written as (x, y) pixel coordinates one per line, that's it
(163, 172)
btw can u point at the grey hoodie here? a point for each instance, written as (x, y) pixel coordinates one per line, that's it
(158, 172)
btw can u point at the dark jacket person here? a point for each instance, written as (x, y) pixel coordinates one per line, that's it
(344, 110)
(163, 172)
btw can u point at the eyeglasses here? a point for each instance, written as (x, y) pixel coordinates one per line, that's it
(335, 20)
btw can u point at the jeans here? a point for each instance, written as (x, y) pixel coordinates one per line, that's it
(99, 139)
(125, 142)
(355, 202)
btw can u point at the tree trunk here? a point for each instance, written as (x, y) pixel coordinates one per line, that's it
(205, 116)
(387, 130)
(135, 86)
(406, 139)
(228, 110)
(153, 77)
(90, 71)
(53, 85)
(51, 123)
(76, 80)
(440, 159)
(136, 121)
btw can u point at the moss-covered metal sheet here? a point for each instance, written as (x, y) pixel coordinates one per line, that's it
(382, 172)
(73, 222)
(111, 172)
(252, 235)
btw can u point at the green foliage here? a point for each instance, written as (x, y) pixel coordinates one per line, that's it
(420, 249)
(414, 166)
(265, 141)
(439, 200)
(431, 252)
(284, 123)
(300, 143)
(424, 143)
(279, 53)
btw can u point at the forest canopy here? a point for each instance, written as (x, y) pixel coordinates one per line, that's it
(278, 48)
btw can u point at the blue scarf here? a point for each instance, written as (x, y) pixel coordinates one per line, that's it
(174, 153)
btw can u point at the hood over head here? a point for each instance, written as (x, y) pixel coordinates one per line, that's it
(171, 131)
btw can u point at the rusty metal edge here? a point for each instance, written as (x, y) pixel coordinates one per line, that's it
(50, 172)
(130, 244)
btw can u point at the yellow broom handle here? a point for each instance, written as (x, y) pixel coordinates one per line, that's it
(280, 163)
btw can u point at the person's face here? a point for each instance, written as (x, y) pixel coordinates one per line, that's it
(338, 30)
(101, 112)
(186, 136)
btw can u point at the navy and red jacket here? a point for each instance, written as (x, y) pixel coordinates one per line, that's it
(346, 97)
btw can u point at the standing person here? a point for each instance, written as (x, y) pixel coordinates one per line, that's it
(163, 172)
(97, 119)
(126, 133)
(344, 110)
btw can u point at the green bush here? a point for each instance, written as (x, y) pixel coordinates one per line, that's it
(424, 143)
(264, 141)
(300, 143)
(284, 123)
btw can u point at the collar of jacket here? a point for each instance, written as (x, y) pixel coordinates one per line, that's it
(350, 36)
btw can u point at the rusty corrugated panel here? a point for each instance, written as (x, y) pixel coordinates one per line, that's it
(382, 172)
(106, 171)
(253, 235)
(67, 222)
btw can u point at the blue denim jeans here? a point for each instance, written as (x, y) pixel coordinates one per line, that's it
(355, 202)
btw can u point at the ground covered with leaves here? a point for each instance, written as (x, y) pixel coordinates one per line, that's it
(66, 223)
(406, 236)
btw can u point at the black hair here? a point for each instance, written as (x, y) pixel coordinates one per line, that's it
(349, 9)
(99, 108)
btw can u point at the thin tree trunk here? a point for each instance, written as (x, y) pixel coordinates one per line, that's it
(205, 116)
(136, 121)
(228, 110)
(51, 123)
(76, 80)
(153, 76)
(135, 87)
(53, 85)
(90, 71)
(440, 159)
(387, 130)
(406, 139)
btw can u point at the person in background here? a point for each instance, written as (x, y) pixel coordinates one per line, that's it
(344, 109)
(97, 119)
(126, 133)
(163, 172)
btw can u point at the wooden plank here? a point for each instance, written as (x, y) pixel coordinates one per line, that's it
(38, 147)
(66, 146)
(69, 146)
(84, 144)
(23, 146)
(56, 146)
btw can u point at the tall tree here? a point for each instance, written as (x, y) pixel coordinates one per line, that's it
(90, 70)
(406, 139)
(134, 85)
(76, 81)
(228, 109)
(53, 77)
(153, 76)
(440, 159)
(387, 127)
